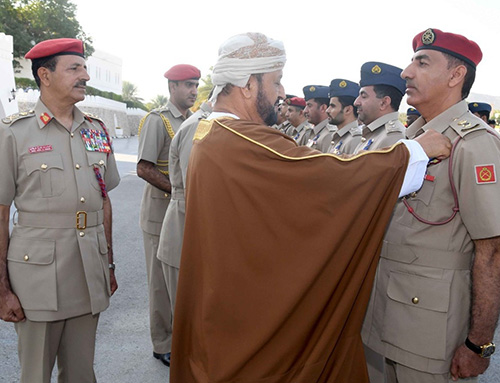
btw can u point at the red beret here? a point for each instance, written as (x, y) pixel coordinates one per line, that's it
(455, 45)
(296, 101)
(56, 47)
(182, 72)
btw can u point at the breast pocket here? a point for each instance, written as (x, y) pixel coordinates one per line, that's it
(421, 204)
(416, 314)
(46, 174)
(32, 272)
(96, 160)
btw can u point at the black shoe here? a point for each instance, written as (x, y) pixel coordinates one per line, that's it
(164, 358)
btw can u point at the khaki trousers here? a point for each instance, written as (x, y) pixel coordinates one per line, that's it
(160, 312)
(71, 340)
(171, 275)
(397, 373)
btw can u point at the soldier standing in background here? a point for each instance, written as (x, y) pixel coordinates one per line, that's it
(317, 101)
(155, 135)
(344, 115)
(382, 90)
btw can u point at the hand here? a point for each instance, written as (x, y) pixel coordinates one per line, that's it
(10, 308)
(435, 145)
(112, 281)
(466, 364)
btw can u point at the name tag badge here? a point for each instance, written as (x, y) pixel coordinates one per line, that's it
(40, 149)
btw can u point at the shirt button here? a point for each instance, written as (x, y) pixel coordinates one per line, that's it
(82, 200)
(415, 301)
(101, 162)
(77, 166)
(26, 257)
(72, 135)
(413, 195)
(82, 234)
(44, 166)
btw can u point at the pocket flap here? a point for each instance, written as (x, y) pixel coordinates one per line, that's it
(97, 158)
(43, 162)
(419, 292)
(34, 251)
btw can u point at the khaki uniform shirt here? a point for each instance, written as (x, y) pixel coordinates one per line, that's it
(300, 132)
(172, 231)
(385, 131)
(321, 136)
(345, 140)
(419, 309)
(57, 269)
(156, 133)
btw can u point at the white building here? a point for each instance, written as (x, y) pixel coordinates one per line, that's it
(8, 104)
(105, 72)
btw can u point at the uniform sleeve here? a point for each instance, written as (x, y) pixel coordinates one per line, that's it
(417, 165)
(112, 176)
(151, 138)
(475, 172)
(8, 159)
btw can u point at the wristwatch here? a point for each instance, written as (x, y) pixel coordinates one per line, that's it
(484, 351)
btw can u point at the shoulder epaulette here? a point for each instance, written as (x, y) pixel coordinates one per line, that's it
(9, 120)
(91, 117)
(466, 124)
(393, 126)
(161, 109)
(356, 131)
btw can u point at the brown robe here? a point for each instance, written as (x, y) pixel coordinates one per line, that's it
(280, 249)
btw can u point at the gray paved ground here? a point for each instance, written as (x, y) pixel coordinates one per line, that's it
(123, 350)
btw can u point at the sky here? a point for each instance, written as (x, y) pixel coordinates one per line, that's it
(323, 39)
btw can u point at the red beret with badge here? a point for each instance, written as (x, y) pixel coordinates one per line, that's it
(182, 72)
(56, 47)
(296, 101)
(455, 45)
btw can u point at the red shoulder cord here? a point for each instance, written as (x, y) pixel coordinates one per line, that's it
(98, 175)
(453, 190)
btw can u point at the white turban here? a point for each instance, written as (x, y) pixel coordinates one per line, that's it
(243, 55)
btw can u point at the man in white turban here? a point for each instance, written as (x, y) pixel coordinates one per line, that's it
(270, 290)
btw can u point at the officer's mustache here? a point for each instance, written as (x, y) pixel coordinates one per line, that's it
(82, 83)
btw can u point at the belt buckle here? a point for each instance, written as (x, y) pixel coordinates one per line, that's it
(81, 215)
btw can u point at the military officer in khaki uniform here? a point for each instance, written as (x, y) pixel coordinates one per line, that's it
(382, 89)
(56, 269)
(435, 301)
(155, 135)
(320, 135)
(172, 231)
(295, 115)
(343, 114)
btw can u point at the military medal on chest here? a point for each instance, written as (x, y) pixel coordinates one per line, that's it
(95, 140)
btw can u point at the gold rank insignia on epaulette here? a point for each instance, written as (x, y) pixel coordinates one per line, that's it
(466, 124)
(18, 116)
(392, 126)
(90, 117)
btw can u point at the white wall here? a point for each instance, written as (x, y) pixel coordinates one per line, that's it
(8, 105)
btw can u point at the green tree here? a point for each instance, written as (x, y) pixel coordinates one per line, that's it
(157, 102)
(203, 91)
(32, 21)
(129, 92)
